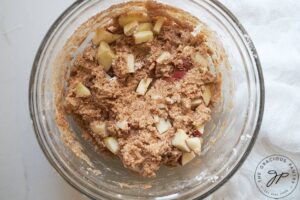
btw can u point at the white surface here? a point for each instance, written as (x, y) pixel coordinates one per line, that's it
(274, 25)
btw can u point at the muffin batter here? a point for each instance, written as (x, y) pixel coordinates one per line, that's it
(143, 90)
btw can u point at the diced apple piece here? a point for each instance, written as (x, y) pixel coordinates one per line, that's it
(131, 28)
(156, 118)
(163, 125)
(105, 55)
(158, 24)
(143, 36)
(179, 141)
(112, 144)
(194, 144)
(170, 100)
(130, 17)
(161, 106)
(206, 95)
(201, 140)
(200, 128)
(187, 157)
(196, 102)
(104, 35)
(99, 128)
(143, 86)
(156, 96)
(130, 63)
(145, 27)
(122, 124)
(200, 60)
(82, 91)
(163, 56)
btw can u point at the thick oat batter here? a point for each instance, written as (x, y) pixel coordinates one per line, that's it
(144, 91)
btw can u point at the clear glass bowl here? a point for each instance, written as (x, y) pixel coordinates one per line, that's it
(229, 137)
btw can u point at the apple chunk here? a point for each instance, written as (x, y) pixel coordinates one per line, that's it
(131, 28)
(99, 128)
(130, 17)
(104, 35)
(112, 144)
(81, 90)
(158, 24)
(163, 56)
(145, 27)
(122, 125)
(194, 144)
(143, 86)
(143, 36)
(206, 94)
(195, 103)
(105, 55)
(200, 60)
(179, 140)
(200, 128)
(130, 63)
(187, 157)
(163, 125)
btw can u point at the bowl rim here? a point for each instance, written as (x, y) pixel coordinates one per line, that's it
(261, 100)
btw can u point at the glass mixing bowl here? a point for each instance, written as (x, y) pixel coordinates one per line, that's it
(229, 137)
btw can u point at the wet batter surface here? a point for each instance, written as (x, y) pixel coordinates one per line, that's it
(143, 90)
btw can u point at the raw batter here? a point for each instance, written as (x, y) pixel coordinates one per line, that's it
(144, 91)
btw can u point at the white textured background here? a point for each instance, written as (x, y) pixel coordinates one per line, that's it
(274, 26)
